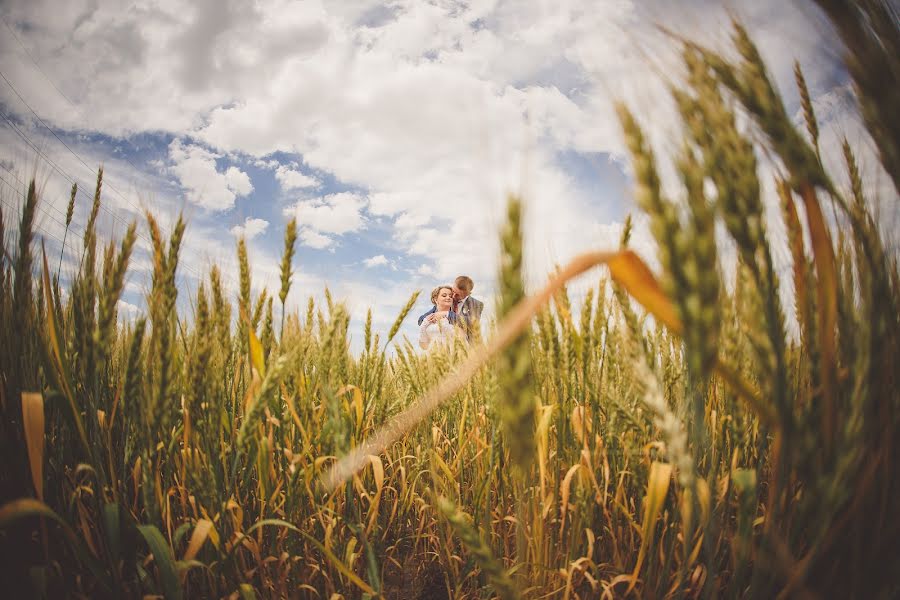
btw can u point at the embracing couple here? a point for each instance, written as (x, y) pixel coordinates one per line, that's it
(455, 314)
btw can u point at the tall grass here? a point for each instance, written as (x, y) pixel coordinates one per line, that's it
(703, 452)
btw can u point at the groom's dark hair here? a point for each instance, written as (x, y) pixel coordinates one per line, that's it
(464, 282)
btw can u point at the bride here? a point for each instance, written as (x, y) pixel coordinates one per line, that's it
(439, 326)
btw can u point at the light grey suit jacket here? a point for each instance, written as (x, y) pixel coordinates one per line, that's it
(470, 316)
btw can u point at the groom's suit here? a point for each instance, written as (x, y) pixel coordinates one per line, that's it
(470, 314)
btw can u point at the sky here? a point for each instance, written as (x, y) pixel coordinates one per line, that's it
(392, 131)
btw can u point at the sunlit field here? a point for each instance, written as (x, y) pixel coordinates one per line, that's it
(681, 433)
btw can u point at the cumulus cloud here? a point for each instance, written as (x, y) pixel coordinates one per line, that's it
(314, 239)
(196, 170)
(322, 218)
(291, 179)
(122, 68)
(439, 120)
(250, 229)
(128, 311)
(375, 261)
(436, 109)
(237, 181)
(334, 213)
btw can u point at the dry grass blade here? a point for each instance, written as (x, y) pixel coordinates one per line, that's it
(471, 537)
(33, 420)
(198, 537)
(632, 273)
(565, 490)
(657, 488)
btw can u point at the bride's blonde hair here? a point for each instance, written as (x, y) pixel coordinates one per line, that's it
(437, 290)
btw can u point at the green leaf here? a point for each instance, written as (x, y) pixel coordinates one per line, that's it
(113, 530)
(247, 592)
(58, 370)
(372, 565)
(165, 561)
(180, 533)
(186, 565)
(744, 480)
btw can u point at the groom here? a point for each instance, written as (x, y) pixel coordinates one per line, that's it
(465, 307)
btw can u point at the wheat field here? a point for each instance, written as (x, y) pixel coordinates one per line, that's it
(668, 439)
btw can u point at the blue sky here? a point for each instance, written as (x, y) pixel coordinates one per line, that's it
(392, 131)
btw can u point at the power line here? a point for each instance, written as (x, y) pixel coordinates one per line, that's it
(50, 81)
(103, 207)
(23, 186)
(16, 92)
(36, 225)
(41, 205)
(77, 237)
(61, 141)
(64, 174)
(42, 229)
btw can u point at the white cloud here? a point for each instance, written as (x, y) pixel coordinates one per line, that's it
(314, 239)
(291, 179)
(237, 181)
(128, 311)
(270, 164)
(196, 170)
(250, 229)
(375, 261)
(122, 68)
(335, 213)
(438, 143)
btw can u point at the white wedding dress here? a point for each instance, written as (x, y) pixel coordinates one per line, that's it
(439, 333)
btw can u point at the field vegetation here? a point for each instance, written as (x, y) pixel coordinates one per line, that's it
(668, 439)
